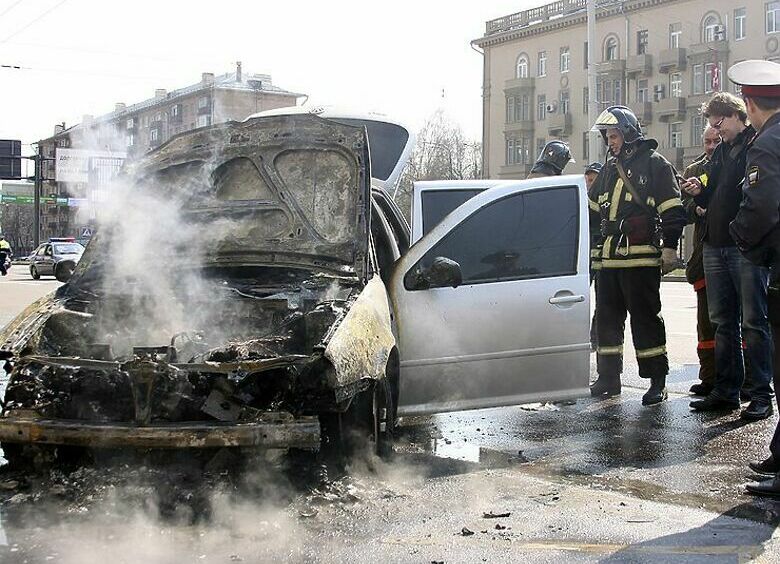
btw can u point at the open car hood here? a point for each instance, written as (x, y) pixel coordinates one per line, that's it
(272, 190)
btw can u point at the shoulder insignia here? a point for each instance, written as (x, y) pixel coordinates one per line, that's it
(628, 173)
(752, 176)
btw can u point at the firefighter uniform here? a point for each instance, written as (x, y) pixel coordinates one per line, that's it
(756, 228)
(694, 273)
(634, 233)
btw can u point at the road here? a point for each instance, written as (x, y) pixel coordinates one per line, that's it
(595, 480)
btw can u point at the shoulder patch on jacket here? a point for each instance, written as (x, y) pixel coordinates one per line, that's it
(752, 175)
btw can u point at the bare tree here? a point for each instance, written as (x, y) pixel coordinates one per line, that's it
(442, 153)
(17, 222)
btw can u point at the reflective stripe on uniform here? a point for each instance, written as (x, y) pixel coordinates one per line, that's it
(595, 253)
(630, 263)
(593, 205)
(595, 266)
(642, 250)
(705, 345)
(610, 350)
(668, 204)
(647, 353)
(617, 192)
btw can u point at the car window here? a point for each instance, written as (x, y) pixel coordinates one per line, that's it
(47, 250)
(437, 204)
(41, 251)
(528, 235)
(68, 249)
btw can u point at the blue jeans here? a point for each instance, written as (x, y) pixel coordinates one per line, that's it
(737, 291)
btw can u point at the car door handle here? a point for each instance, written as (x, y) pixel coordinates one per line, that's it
(555, 300)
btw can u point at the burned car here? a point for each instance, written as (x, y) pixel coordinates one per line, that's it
(289, 309)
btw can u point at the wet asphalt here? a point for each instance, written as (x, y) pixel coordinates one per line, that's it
(592, 480)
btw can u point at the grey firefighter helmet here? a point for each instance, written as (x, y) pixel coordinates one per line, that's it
(556, 154)
(593, 167)
(621, 118)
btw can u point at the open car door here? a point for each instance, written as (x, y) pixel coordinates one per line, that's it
(516, 328)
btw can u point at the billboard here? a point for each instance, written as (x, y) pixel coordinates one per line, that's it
(73, 165)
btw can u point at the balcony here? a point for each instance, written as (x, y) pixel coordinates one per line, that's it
(672, 60)
(674, 155)
(670, 109)
(614, 66)
(559, 124)
(640, 64)
(515, 84)
(523, 125)
(534, 15)
(643, 111)
(704, 52)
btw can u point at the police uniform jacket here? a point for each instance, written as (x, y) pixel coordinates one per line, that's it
(655, 182)
(756, 227)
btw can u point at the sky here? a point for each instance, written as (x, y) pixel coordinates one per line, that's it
(405, 58)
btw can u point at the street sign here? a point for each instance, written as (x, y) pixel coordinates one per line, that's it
(85, 232)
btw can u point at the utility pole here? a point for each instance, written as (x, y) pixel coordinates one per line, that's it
(37, 196)
(593, 107)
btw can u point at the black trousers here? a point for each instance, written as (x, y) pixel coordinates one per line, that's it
(3, 256)
(634, 291)
(773, 307)
(706, 332)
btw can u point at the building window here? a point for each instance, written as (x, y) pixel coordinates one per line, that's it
(130, 140)
(203, 121)
(675, 135)
(541, 107)
(585, 146)
(712, 74)
(517, 151)
(154, 135)
(585, 55)
(641, 42)
(698, 79)
(609, 92)
(564, 97)
(524, 107)
(739, 24)
(542, 67)
(772, 17)
(709, 29)
(585, 100)
(510, 109)
(522, 67)
(565, 59)
(175, 110)
(697, 129)
(203, 102)
(675, 85)
(675, 32)
(611, 52)
(642, 91)
(540, 143)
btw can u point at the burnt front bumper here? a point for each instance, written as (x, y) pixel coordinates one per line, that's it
(273, 430)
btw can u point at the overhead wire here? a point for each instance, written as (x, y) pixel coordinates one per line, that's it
(32, 22)
(11, 7)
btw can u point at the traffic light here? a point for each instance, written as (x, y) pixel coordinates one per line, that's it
(10, 159)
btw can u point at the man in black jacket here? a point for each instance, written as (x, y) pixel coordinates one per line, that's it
(635, 203)
(756, 227)
(736, 289)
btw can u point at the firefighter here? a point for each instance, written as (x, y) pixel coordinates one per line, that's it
(5, 253)
(552, 160)
(694, 270)
(640, 216)
(591, 173)
(756, 227)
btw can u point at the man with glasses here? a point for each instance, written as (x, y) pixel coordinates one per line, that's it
(736, 289)
(756, 227)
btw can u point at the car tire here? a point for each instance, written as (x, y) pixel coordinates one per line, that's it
(367, 425)
(34, 273)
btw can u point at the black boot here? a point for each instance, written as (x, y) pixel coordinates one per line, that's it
(657, 392)
(605, 386)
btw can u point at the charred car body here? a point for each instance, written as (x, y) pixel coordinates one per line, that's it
(302, 314)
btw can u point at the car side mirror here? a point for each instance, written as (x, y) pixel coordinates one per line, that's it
(441, 273)
(63, 270)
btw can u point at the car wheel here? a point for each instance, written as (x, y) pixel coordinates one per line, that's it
(34, 273)
(367, 425)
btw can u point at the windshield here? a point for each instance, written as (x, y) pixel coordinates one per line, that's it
(68, 249)
(386, 142)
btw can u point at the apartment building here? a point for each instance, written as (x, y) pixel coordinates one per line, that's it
(81, 159)
(662, 58)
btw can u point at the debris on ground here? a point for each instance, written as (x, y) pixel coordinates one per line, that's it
(540, 407)
(466, 532)
(492, 515)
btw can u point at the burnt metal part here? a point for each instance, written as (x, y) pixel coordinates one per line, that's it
(270, 430)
